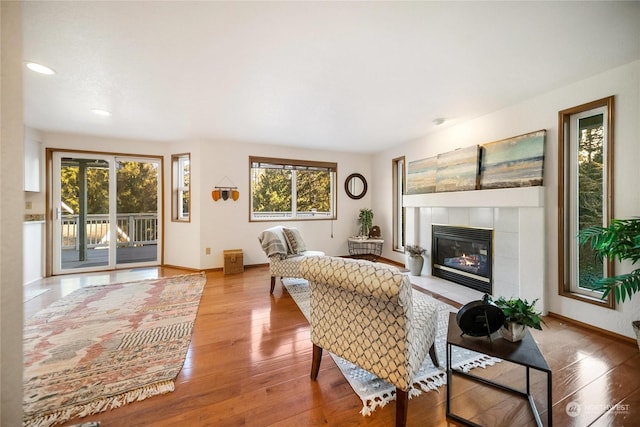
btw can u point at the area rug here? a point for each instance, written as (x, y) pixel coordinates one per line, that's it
(102, 347)
(375, 392)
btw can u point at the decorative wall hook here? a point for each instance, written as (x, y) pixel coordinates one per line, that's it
(225, 191)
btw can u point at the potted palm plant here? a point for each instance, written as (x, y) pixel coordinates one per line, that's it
(415, 261)
(518, 315)
(619, 241)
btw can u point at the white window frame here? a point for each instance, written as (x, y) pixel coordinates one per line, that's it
(294, 166)
(180, 188)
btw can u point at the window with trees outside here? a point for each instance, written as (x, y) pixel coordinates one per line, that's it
(180, 187)
(585, 192)
(284, 189)
(398, 167)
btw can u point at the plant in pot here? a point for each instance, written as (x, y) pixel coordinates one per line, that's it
(619, 241)
(415, 260)
(365, 219)
(518, 315)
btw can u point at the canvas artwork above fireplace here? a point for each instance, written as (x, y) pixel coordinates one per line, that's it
(463, 255)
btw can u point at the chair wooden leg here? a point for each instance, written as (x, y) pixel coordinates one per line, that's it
(273, 283)
(315, 365)
(402, 405)
(433, 355)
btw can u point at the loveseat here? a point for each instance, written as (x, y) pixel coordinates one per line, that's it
(285, 248)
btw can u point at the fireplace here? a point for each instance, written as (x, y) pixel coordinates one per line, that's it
(463, 255)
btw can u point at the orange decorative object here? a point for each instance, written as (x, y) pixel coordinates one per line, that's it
(215, 195)
(235, 194)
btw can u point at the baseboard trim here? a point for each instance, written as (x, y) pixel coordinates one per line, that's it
(211, 269)
(181, 267)
(594, 328)
(392, 262)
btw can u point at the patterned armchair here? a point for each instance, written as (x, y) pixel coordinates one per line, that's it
(366, 313)
(285, 249)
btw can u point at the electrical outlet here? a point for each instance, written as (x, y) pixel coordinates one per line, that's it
(207, 251)
(28, 205)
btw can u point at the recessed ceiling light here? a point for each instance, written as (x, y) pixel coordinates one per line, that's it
(39, 68)
(101, 112)
(439, 121)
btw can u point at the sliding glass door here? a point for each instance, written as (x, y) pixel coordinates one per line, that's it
(106, 212)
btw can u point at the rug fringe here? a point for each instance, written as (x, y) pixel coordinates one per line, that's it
(432, 383)
(368, 407)
(101, 405)
(481, 362)
(425, 385)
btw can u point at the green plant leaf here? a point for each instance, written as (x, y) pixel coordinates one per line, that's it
(619, 241)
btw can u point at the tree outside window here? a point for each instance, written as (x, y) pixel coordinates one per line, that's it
(590, 193)
(292, 189)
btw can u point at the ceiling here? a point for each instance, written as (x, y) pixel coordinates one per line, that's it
(351, 76)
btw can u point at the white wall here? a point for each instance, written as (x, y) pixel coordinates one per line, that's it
(182, 239)
(11, 214)
(225, 224)
(538, 113)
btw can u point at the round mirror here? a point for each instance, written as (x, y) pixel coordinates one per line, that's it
(356, 186)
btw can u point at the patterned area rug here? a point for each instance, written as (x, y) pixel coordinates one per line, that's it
(375, 392)
(102, 347)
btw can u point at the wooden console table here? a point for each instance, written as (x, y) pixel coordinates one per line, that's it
(525, 353)
(369, 249)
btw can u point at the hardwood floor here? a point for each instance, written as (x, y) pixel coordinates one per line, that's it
(250, 359)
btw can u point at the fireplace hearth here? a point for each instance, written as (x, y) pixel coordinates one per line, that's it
(463, 255)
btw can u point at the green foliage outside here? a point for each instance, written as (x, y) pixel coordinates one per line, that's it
(313, 191)
(590, 202)
(137, 190)
(272, 190)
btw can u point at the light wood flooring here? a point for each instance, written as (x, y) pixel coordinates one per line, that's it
(250, 358)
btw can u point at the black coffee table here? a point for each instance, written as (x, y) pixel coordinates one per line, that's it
(525, 353)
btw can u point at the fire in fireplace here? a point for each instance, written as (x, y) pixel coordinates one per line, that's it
(463, 255)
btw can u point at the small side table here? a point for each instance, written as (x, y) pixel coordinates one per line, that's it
(369, 249)
(525, 353)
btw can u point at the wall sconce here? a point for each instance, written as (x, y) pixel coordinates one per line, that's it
(225, 191)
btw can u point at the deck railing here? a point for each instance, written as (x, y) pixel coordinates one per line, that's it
(133, 230)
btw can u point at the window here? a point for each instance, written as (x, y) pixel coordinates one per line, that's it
(585, 195)
(398, 208)
(292, 189)
(181, 187)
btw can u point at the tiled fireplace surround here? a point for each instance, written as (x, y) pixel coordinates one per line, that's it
(516, 216)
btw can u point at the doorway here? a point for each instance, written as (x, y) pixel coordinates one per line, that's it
(106, 212)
